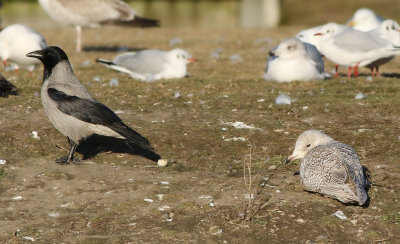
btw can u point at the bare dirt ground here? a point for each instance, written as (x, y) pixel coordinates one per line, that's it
(122, 198)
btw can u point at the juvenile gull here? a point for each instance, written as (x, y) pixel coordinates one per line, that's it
(330, 168)
(151, 65)
(365, 19)
(93, 13)
(294, 60)
(16, 41)
(74, 112)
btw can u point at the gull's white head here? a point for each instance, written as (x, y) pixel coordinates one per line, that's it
(180, 56)
(288, 49)
(390, 30)
(330, 29)
(307, 141)
(364, 19)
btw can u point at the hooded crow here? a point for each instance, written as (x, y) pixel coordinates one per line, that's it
(74, 112)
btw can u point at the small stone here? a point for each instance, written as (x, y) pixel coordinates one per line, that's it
(272, 167)
(300, 221)
(148, 200)
(283, 99)
(3, 162)
(360, 95)
(235, 58)
(177, 94)
(175, 41)
(114, 82)
(339, 214)
(35, 135)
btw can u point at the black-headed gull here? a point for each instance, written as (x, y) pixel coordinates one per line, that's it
(150, 65)
(293, 60)
(93, 13)
(365, 19)
(16, 41)
(353, 48)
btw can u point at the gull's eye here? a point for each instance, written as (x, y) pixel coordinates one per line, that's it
(387, 27)
(308, 145)
(393, 27)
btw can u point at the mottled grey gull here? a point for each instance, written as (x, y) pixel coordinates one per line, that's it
(330, 168)
(93, 13)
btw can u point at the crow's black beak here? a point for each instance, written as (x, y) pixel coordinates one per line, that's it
(35, 54)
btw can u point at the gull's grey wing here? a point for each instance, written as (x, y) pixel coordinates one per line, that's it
(357, 41)
(99, 10)
(316, 56)
(143, 62)
(94, 112)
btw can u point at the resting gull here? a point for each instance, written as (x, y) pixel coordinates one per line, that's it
(294, 60)
(150, 65)
(330, 168)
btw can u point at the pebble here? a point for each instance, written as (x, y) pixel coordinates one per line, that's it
(175, 41)
(283, 99)
(3, 162)
(339, 214)
(35, 135)
(360, 95)
(235, 58)
(148, 200)
(177, 94)
(272, 167)
(114, 82)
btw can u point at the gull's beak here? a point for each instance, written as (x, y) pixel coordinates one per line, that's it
(35, 54)
(190, 60)
(318, 34)
(289, 158)
(351, 23)
(271, 54)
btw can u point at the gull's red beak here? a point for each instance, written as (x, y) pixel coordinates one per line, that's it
(318, 34)
(191, 60)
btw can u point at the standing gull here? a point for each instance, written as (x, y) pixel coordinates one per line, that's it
(16, 41)
(353, 48)
(151, 65)
(93, 13)
(294, 60)
(330, 168)
(74, 112)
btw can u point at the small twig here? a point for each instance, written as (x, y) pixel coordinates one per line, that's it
(382, 240)
(330, 237)
(61, 147)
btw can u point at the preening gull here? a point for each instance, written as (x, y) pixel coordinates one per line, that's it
(16, 41)
(353, 48)
(330, 168)
(365, 19)
(93, 13)
(294, 60)
(151, 65)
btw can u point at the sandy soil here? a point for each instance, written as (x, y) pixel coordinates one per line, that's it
(123, 198)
